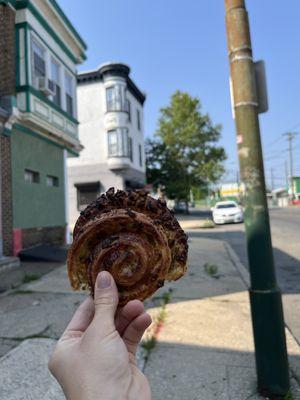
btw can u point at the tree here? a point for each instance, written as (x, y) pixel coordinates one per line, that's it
(184, 155)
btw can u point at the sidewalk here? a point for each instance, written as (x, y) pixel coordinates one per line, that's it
(204, 349)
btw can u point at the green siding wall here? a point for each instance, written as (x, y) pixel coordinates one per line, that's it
(36, 204)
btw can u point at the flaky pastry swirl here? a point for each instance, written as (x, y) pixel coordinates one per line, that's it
(133, 236)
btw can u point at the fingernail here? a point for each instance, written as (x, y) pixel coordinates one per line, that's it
(103, 280)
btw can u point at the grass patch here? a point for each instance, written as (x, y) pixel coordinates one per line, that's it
(31, 277)
(289, 396)
(211, 270)
(149, 343)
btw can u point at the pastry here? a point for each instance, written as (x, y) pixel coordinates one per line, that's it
(133, 236)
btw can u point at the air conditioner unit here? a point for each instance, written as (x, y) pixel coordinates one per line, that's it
(46, 86)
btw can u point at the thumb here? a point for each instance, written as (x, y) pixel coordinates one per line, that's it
(106, 300)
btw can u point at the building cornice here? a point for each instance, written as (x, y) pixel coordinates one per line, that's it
(21, 4)
(68, 23)
(112, 69)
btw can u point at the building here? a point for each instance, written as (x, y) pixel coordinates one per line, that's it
(39, 51)
(110, 112)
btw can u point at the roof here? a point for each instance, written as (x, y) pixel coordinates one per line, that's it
(115, 69)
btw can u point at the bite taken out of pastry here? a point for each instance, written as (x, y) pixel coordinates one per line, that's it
(134, 237)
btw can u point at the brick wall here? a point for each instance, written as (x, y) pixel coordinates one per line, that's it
(7, 51)
(50, 235)
(7, 88)
(6, 192)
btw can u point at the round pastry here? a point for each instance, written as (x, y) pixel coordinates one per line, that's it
(133, 236)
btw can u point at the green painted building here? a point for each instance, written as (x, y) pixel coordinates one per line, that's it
(43, 132)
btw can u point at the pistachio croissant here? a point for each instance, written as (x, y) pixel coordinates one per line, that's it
(133, 236)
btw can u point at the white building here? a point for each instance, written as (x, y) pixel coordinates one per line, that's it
(110, 113)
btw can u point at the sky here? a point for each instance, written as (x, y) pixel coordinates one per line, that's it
(172, 44)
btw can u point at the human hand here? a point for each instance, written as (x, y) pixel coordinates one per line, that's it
(95, 357)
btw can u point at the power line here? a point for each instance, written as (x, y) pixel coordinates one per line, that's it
(290, 137)
(279, 137)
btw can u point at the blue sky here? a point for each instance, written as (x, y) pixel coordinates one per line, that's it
(172, 44)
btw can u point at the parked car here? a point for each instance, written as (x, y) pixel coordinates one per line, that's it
(227, 211)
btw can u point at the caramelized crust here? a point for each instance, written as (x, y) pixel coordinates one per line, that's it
(133, 236)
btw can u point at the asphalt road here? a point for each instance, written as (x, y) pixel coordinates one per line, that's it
(285, 228)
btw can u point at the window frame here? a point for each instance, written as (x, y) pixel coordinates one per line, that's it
(54, 179)
(67, 76)
(88, 187)
(140, 155)
(128, 109)
(37, 43)
(118, 98)
(138, 119)
(130, 148)
(34, 174)
(121, 145)
(56, 84)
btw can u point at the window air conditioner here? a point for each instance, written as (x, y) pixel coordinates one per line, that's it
(46, 86)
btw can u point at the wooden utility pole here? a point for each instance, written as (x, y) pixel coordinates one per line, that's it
(265, 297)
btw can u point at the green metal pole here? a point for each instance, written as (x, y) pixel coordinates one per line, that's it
(265, 297)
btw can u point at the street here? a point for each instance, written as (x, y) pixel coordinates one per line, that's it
(285, 227)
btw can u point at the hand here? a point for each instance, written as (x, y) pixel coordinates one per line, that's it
(95, 357)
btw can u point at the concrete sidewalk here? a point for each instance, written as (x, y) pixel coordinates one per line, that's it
(204, 350)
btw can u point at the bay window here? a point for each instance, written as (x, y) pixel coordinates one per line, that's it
(138, 119)
(55, 76)
(69, 94)
(128, 109)
(38, 61)
(118, 143)
(115, 98)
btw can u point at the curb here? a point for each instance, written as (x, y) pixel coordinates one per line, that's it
(245, 277)
(243, 272)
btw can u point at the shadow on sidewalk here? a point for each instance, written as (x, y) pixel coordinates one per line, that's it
(181, 371)
(287, 267)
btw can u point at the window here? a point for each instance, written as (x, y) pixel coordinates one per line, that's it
(69, 94)
(31, 176)
(140, 155)
(118, 143)
(138, 119)
(52, 180)
(130, 149)
(110, 98)
(39, 63)
(128, 109)
(115, 98)
(55, 76)
(86, 193)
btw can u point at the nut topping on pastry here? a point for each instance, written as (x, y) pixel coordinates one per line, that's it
(133, 236)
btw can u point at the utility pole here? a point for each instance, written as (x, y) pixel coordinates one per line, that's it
(290, 137)
(286, 174)
(265, 297)
(272, 180)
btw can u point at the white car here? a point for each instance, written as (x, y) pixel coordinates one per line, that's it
(227, 211)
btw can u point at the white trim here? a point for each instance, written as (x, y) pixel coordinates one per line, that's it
(22, 58)
(66, 27)
(26, 16)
